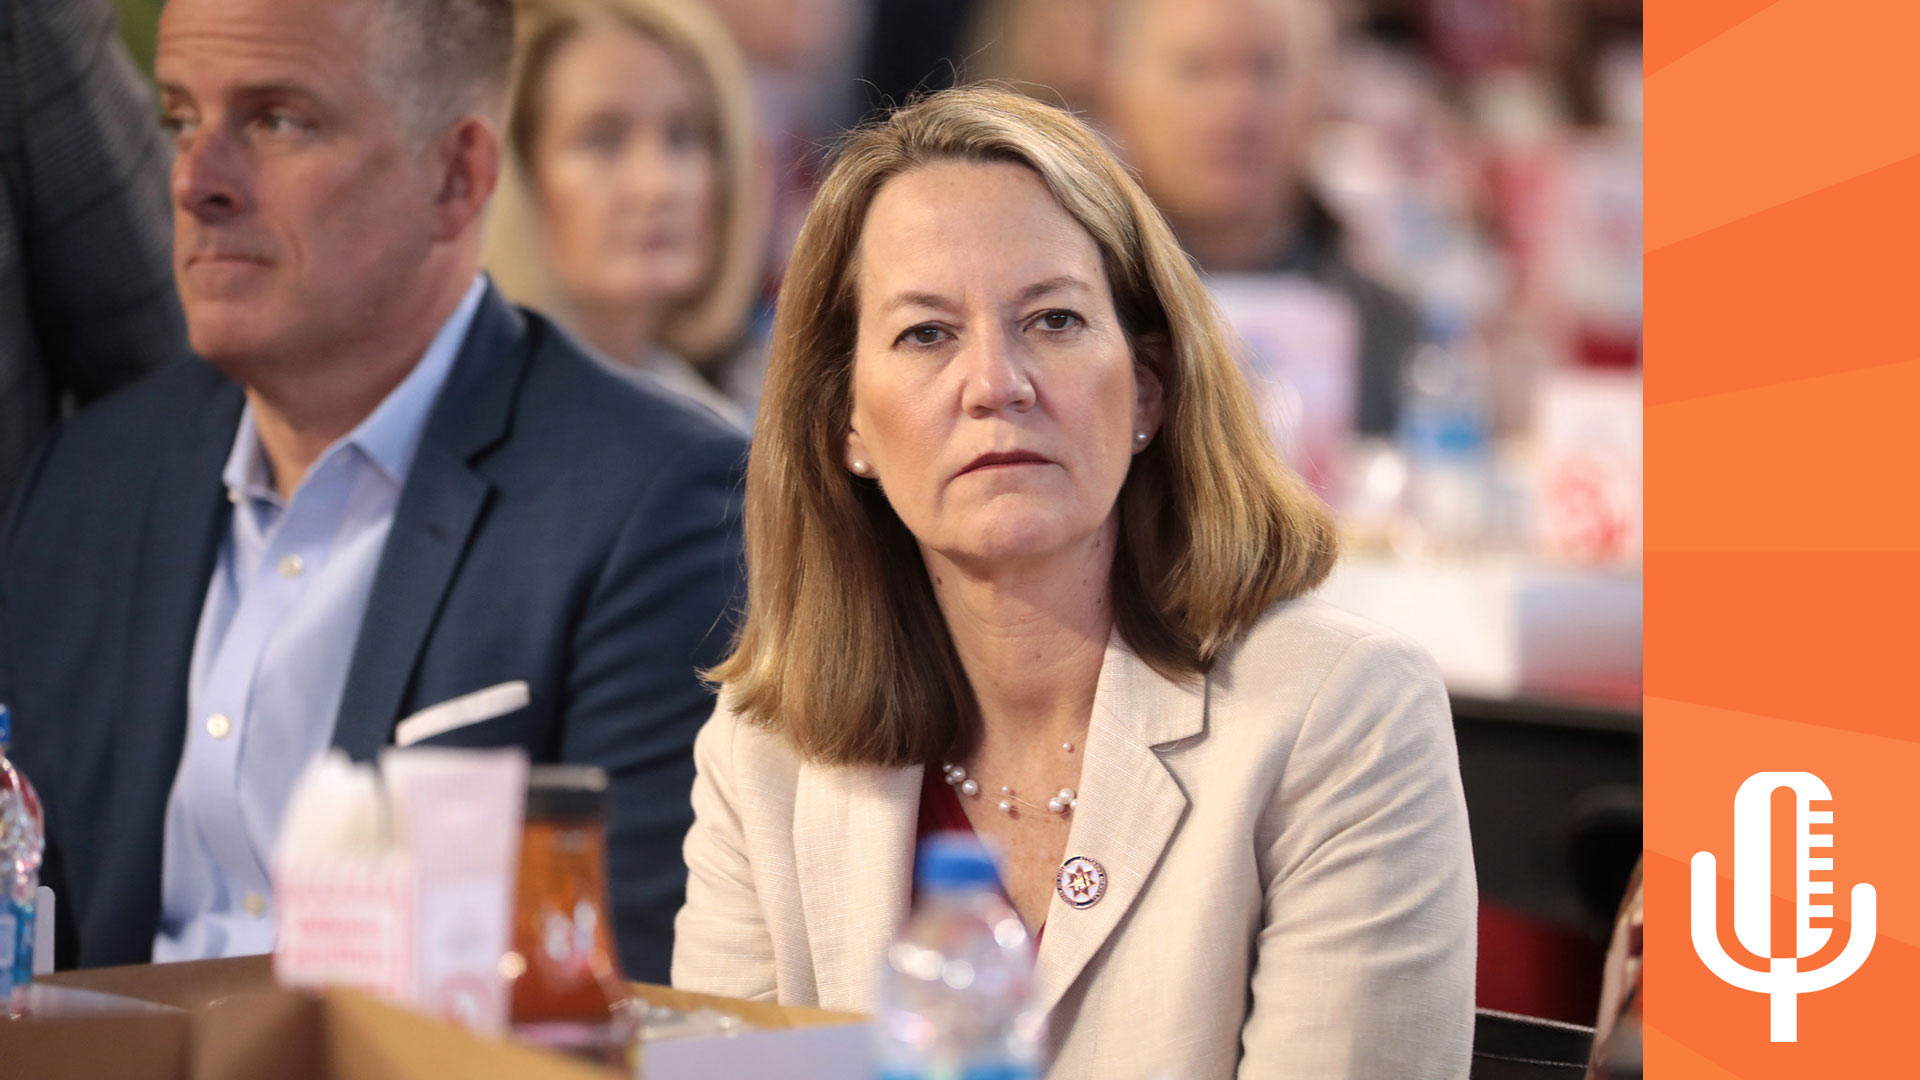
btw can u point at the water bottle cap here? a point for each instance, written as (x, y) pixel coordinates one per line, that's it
(955, 861)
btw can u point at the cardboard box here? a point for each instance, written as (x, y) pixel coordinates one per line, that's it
(224, 1020)
(789, 1042)
(277, 1034)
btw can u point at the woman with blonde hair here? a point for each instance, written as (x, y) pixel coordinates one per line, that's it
(631, 207)
(1022, 560)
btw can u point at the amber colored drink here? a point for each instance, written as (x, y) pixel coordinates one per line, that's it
(568, 992)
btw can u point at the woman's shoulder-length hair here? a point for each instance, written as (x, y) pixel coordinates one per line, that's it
(707, 324)
(843, 647)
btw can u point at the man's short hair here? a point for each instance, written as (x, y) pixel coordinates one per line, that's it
(442, 59)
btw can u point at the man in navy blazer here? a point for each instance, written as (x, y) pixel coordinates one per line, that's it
(386, 488)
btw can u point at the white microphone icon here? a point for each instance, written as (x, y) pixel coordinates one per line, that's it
(1752, 900)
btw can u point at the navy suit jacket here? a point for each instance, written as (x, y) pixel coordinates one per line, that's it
(559, 526)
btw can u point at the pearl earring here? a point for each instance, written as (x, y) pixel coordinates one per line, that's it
(858, 466)
(1140, 438)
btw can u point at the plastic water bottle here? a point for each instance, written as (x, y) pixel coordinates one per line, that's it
(1444, 432)
(23, 839)
(956, 995)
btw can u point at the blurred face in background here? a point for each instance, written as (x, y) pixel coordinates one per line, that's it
(995, 395)
(624, 171)
(793, 37)
(1209, 101)
(303, 209)
(1061, 45)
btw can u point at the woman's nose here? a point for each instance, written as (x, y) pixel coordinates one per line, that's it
(994, 376)
(651, 173)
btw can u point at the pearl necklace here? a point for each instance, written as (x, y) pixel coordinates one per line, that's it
(1060, 805)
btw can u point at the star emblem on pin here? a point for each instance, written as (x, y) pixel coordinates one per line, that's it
(1081, 882)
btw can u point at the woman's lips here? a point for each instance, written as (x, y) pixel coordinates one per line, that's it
(1004, 459)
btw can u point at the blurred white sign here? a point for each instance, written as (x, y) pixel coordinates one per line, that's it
(1590, 496)
(1300, 347)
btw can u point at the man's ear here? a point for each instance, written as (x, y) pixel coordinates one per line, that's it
(469, 171)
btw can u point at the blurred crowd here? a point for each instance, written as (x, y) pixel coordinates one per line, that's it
(1423, 217)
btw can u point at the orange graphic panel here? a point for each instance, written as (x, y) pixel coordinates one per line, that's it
(1783, 532)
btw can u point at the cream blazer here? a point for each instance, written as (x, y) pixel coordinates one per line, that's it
(1290, 883)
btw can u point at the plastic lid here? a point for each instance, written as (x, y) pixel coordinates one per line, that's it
(955, 861)
(566, 792)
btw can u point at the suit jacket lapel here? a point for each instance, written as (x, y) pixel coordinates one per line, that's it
(853, 840)
(438, 509)
(180, 541)
(1129, 806)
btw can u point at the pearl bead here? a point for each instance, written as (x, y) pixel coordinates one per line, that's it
(970, 788)
(1006, 807)
(957, 775)
(1005, 790)
(1067, 746)
(1073, 804)
(1055, 806)
(1066, 793)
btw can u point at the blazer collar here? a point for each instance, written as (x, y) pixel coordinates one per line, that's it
(854, 831)
(433, 522)
(1128, 808)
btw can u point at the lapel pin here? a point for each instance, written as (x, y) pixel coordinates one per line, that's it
(1081, 882)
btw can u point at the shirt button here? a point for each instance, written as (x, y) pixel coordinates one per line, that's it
(218, 725)
(291, 566)
(255, 904)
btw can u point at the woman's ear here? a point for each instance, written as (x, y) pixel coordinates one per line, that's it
(1154, 355)
(856, 458)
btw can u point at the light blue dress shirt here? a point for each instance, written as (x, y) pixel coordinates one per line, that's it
(270, 657)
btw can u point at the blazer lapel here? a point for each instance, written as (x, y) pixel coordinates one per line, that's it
(853, 835)
(433, 523)
(181, 541)
(1128, 807)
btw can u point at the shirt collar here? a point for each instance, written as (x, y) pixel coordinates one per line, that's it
(390, 435)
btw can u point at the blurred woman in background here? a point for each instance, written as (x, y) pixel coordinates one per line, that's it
(631, 206)
(1010, 512)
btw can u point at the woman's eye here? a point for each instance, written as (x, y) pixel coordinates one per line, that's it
(925, 334)
(604, 140)
(683, 134)
(1058, 320)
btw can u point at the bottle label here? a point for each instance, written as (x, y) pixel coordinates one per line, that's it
(16, 930)
(9, 939)
(977, 1070)
(999, 1070)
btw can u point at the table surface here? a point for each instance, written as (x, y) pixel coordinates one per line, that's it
(194, 984)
